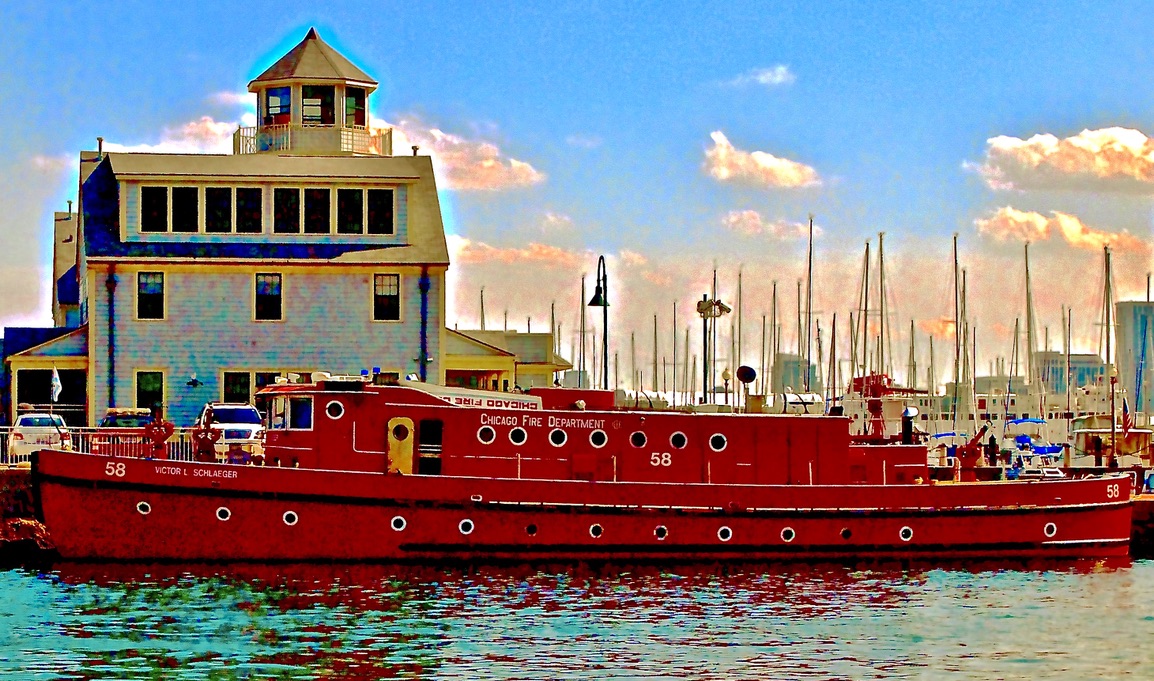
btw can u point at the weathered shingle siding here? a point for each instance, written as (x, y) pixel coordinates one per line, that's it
(209, 329)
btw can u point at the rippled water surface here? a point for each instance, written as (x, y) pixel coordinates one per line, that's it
(1068, 621)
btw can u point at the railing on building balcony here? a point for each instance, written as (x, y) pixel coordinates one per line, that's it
(315, 139)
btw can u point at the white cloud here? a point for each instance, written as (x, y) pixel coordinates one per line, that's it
(241, 99)
(556, 222)
(463, 164)
(1008, 224)
(769, 77)
(1110, 159)
(202, 136)
(751, 223)
(52, 164)
(725, 163)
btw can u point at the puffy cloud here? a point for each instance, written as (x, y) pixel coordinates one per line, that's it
(205, 135)
(725, 162)
(1113, 159)
(51, 164)
(556, 222)
(751, 223)
(467, 251)
(770, 77)
(464, 164)
(1011, 224)
(242, 99)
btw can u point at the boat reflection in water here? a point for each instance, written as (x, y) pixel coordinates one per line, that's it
(708, 621)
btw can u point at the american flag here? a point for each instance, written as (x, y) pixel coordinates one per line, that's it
(1127, 418)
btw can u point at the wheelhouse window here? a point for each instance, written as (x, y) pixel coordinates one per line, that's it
(249, 218)
(386, 297)
(268, 297)
(277, 106)
(317, 104)
(217, 209)
(355, 107)
(380, 217)
(149, 389)
(154, 209)
(150, 295)
(350, 211)
(237, 387)
(185, 209)
(287, 210)
(317, 211)
(295, 413)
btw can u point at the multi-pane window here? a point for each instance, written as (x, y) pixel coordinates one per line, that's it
(354, 107)
(350, 211)
(154, 209)
(217, 209)
(185, 209)
(237, 386)
(286, 210)
(277, 106)
(149, 389)
(268, 297)
(317, 211)
(380, 211)
(317, 104)
(386, 297)
(249, 215)
(150, 295)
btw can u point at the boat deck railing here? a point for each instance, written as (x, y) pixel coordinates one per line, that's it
(128, 442)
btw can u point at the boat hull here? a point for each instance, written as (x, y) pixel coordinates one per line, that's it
(98, 507)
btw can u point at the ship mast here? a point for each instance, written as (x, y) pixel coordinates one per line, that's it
(808, 302)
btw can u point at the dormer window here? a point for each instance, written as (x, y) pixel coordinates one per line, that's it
(317, 105)
(354, 107)
(277, 106)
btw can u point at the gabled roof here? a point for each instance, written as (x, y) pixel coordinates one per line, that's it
(313, 59)
(459, 343)
(71, 343)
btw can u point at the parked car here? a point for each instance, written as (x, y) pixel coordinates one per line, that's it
(35, 431)
(122, 432)
(241, 426)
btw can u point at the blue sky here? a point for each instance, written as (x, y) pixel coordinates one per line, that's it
(598, 121)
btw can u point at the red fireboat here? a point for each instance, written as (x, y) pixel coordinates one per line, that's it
(355, 471)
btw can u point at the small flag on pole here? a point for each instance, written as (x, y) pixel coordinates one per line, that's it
(56, 386)
(1127, 418)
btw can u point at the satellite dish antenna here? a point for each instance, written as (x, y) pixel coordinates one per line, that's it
(746, 374)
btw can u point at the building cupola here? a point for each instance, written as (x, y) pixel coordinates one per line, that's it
(313, 101)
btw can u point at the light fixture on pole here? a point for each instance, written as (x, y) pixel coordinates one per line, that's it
(601, 299)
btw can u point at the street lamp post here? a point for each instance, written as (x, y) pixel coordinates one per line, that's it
(601, 299)
(709, 310)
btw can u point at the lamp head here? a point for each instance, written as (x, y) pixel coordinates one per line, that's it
(598, 299)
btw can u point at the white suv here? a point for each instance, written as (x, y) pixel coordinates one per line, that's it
(240, 425)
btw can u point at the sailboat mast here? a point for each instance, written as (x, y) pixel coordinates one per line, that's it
(809, 302)
(957, 334)
(883, 312)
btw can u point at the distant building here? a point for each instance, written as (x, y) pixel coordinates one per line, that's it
(789, 372)
(1082, 369)
(501, 360)
(1134, 355)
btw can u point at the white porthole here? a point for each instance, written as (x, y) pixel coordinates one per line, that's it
(724, 533)
(717, 442)
(598, 438)
(1050, 530)
(290, 518)
(518, 436)
(661, 532)
(398, 523)
(595, 530)
(788, 535)
(223, 513)
(465, 526)
(638, 439)
(486, 435)
(557, 437)
(906, 533)
(143, 507)
(334, 410)
(678, 440)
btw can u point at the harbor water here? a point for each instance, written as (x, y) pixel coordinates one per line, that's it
(1065, 621)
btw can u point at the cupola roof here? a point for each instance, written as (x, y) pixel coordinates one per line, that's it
(314, 60)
